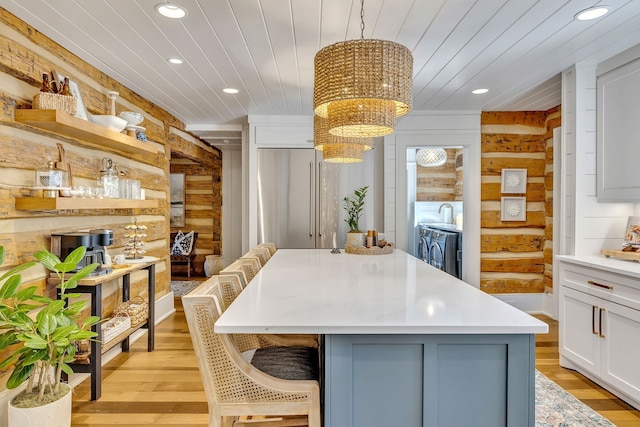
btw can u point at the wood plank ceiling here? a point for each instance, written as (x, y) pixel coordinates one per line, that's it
(265, 48)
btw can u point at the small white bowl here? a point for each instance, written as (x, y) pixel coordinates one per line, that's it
(132, 118)
(107, 120)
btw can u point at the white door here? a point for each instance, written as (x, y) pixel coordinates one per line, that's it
(620, 348)
(579, 332)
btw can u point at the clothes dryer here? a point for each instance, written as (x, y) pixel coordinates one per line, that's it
(424, 242)
(443, 251)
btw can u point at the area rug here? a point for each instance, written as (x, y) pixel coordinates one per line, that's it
(182, 287)
(557, 408)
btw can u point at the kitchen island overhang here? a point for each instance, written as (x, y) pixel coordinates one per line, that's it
(404, 343)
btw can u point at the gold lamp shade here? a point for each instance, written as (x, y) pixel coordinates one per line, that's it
(322, 137)
(370, 83)
(362, 117)
(343, 153)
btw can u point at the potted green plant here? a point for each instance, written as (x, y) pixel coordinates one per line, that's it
(47, 329)
(354, 206)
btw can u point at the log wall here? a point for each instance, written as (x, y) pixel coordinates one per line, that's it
(203, 199)
(439, 184)
(516, 256)
(25, 54)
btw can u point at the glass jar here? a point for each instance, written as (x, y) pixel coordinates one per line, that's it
(109, 179)
(50, 178)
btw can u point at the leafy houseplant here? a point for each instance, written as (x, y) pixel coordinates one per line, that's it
(354, 206)
(48, 338)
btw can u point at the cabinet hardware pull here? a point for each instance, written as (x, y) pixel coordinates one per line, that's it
(591, 282)
(600, 323)
(593, 320)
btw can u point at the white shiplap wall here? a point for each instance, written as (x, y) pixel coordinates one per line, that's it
(589, 226)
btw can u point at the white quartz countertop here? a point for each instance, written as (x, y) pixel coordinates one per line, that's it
(611, 264)
(315, 291)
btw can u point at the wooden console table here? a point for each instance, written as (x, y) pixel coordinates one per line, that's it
(93, 286)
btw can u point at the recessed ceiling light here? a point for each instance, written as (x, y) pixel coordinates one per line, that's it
(171, 10)
(230, 90)
(479, 91)
(176, 61)
(592, 13)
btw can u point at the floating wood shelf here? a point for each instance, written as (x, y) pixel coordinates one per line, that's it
(65, 124)
(58, 203)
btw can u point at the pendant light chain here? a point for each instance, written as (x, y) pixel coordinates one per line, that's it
(361, 19)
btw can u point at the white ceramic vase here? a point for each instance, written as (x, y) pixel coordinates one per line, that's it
(355, 239)
(212, 265)
(54, 414)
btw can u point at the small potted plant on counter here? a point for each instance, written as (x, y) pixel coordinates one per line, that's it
(47, 329)
(354, 206)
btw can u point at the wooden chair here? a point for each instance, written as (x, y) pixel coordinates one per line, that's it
(233, 386)
(245, 268)
(262, 254)
(184, 259)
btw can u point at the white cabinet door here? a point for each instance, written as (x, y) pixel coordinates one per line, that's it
(620, 349)
(579, 330)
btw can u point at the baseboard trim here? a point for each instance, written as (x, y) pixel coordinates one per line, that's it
(529, 303)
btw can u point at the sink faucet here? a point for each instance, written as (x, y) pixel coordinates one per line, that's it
(450, 206)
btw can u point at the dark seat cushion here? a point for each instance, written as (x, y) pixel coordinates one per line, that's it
(288, 363)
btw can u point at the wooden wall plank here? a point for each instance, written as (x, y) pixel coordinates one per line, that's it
(511, 243)
(508, 286)
(513, 265)
(528, 118)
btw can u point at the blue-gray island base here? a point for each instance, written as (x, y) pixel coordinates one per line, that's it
(429, 380)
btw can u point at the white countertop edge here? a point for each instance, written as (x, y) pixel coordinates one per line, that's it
(541, 328)
(613, 265)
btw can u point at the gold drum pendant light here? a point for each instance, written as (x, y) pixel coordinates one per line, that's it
(336, 149)
(343, 153)
(322, 137)
(361, 86)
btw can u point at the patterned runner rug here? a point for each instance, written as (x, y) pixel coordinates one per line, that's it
(182, 287)
(557, 408)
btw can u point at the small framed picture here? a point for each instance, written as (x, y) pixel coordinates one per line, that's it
(514, 181)
(513, 208)
(632, 234)
(75, 92)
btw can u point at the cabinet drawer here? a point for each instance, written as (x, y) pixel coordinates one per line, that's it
(613, 287)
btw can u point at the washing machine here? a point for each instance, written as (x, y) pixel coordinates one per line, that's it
(443, 251)
(424, 242)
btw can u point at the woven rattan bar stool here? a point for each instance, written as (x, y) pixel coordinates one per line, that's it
(245, 268)
(262, 254)
(270, 246)
(233, 386)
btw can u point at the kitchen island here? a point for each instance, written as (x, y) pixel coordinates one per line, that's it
(405, 344)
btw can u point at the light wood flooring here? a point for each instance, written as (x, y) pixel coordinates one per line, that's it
(163, 388)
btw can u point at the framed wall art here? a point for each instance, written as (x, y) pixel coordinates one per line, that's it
(513, 208)
(632, 236)
(514, 181)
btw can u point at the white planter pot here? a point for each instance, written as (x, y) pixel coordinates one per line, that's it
(54, 414)
(355, 239)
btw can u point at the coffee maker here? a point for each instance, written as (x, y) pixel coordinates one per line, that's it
(94, 240)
